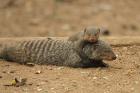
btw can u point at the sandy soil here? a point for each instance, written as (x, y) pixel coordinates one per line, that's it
(24, 18)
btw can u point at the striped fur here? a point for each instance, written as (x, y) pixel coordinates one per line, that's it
(42, 51)
(54, 52)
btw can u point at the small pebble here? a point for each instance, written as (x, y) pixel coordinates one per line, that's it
(132, 89)
(94, 77)
(117, 55)
(30, 84)
(39, 89)
(38, 72)
(59, 68)
(105, 78)
(52, 88)
(136, 82)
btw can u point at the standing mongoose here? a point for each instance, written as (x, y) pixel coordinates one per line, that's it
(89, 35)
(55, 52)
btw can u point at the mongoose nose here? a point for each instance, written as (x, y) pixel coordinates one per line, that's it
(114, 57)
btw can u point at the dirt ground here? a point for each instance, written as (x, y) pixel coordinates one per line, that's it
(25, 18)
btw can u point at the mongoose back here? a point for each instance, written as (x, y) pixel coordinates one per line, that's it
(55, 52)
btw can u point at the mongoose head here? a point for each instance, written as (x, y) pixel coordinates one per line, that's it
(91, 34)
(100, 51)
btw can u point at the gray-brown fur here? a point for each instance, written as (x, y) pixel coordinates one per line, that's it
(88, 32)
(55, 52)
(89, 35)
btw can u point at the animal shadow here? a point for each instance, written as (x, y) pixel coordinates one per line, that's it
(96, 64)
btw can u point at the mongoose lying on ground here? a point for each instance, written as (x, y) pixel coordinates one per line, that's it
(56, 52)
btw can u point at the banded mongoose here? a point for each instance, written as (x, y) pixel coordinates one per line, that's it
(56, 52)
(89, 35)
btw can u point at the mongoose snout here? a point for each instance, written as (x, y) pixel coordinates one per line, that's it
(109, 56)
